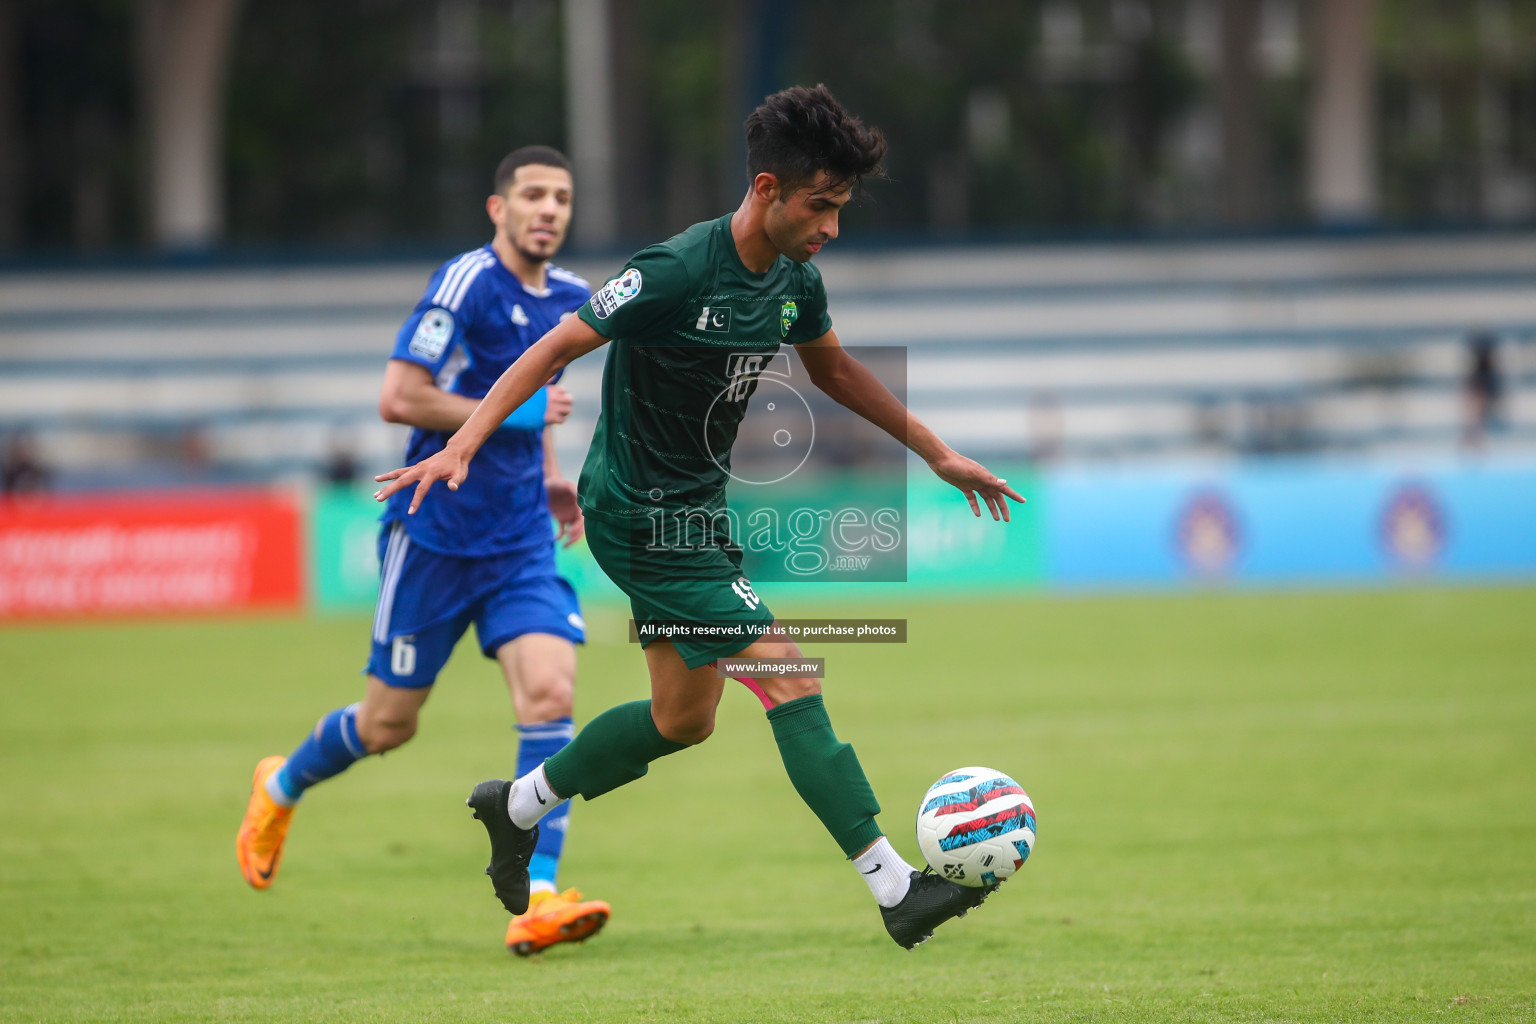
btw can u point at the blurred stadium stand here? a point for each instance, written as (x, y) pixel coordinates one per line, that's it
(1070, 354)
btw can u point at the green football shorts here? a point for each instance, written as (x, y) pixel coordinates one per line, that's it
(689, 591)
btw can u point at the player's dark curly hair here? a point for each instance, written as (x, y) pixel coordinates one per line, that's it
(801, 132)
(544, 156)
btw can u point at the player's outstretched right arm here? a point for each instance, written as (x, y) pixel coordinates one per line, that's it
(849, 383)
(571, 339)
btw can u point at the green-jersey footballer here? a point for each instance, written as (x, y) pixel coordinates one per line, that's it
(690, 323)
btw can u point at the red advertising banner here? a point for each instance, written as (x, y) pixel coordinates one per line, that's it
(146, 554)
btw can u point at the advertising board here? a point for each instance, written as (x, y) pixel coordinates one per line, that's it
(149, 554)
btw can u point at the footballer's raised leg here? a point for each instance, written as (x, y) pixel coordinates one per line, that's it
(827, 775)
(929, 902)
(613, 749)
(259, 843)
(339, 740)
(511, 846)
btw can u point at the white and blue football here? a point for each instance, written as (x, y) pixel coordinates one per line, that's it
(976, 826)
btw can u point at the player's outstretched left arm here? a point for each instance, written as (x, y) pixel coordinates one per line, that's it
(850, 383)
(569, 340)
(561, 494)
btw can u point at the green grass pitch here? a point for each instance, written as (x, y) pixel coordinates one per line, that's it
(1313, 807)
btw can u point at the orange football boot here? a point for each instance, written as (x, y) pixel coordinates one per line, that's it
(555, 917)
(259, 843)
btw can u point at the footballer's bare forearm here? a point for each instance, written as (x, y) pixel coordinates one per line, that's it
(571, 339)
(853, 386)
(856, 387)
(410, 396)
(551, 462)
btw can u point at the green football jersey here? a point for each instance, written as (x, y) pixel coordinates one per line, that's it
(690, 329)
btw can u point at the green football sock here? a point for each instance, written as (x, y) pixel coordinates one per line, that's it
(826, 773)
(614, 748)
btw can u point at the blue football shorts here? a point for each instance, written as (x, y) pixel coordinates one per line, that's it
(427, 600)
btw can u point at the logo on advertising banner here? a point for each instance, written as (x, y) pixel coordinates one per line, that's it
(1208, 535)
(1413, 528)
(148, 554)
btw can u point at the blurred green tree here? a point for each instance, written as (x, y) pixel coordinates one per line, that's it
(360, 123)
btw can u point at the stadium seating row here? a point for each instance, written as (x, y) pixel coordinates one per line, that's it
(1084, 353)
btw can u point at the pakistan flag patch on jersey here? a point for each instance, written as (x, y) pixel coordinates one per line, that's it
(788, 314)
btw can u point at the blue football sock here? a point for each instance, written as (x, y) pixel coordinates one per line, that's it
(535, 742)
(327, 751)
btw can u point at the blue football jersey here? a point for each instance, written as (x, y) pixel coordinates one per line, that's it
(473, 321)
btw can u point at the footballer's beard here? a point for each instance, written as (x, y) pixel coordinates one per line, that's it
(532, 249)
(536, 252)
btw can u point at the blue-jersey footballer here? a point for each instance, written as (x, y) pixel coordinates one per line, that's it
(473, 321)
(484, 558)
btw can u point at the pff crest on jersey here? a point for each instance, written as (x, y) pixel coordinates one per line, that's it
(788, 314)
